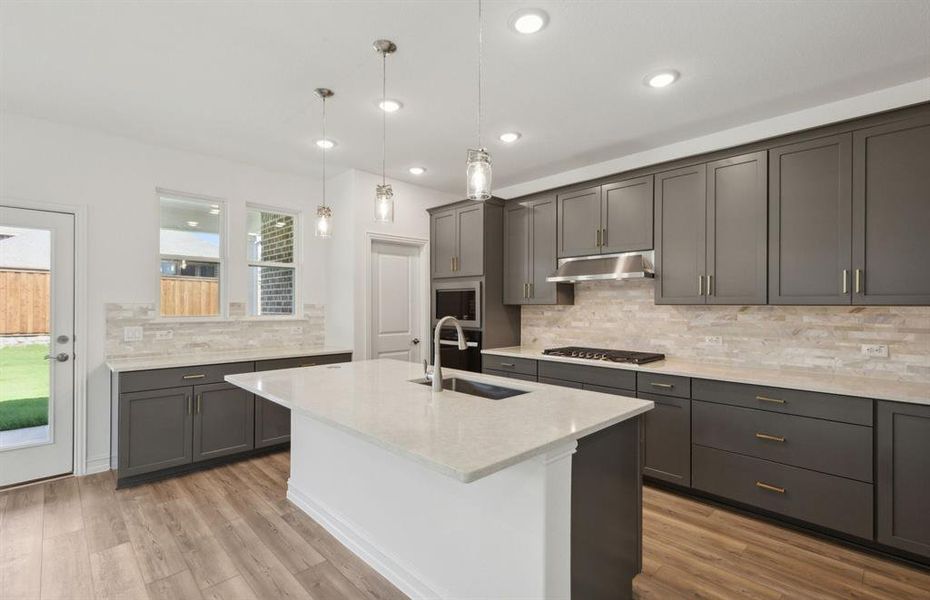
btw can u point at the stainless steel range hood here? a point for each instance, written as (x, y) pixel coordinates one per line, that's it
(629, 265)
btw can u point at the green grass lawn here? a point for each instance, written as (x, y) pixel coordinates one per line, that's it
(23, 386)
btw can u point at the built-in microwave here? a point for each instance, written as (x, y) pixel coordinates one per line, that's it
(460, 299)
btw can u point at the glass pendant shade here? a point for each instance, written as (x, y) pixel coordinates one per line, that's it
(384, 204)
(478, 175)
(324, 218)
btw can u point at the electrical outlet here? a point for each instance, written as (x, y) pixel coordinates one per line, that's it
(132, 334)
(165, 334)
(875, 350)
(298, 330)
(713, 340)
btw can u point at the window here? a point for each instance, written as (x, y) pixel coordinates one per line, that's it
(191, 242)
(272, 268)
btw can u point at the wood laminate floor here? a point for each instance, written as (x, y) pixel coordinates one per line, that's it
(229, 534)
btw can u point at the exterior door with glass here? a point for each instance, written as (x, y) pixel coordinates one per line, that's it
(36, 344)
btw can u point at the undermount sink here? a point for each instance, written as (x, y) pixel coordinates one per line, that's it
(474, 388)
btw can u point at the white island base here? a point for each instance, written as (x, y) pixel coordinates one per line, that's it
(506, 535)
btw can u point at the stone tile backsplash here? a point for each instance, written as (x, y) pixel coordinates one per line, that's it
(234, 333)
(622, 315)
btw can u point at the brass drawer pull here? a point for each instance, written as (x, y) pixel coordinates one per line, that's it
(771, 438)
(662, 385)
(845, 281)
(771, 488)
(700, 285)
(199, 403)
(197, 376)
(508, 365)
(858, 281)
(767, 399)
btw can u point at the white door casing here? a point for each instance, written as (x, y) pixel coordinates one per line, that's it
(53, 454)
(395, 328)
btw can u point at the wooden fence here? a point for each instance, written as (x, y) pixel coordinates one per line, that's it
(189, 296)
(24, 297)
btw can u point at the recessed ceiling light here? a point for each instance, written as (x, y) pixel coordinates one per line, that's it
(417, 170)
(325, 144)
(192, 223)
(390, 106)
(529, 20)
(661, 79)
(509, 137)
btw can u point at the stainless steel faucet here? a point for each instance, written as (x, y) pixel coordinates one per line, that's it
(435, 375)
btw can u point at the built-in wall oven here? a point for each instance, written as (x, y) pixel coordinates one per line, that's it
(460, 299)
(450, 356)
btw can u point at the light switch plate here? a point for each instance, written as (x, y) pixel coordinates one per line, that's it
(875, 350)
(713, 340)
(165, 334)
(132, 334)
(297, 330)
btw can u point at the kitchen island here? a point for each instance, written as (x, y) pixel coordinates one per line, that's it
(452, 495)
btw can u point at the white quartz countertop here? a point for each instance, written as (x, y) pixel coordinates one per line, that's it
(465, 437)
(214, 357)
(828, 383)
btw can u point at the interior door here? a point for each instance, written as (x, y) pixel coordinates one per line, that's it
(36, 344)
(395, 301)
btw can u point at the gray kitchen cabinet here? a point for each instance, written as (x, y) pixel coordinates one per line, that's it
(736, 230)
(155, 430)
(680, 235)
(891, 213)
(627, 213)
(223, 421)
(810, 222)
(443, 243)
(667, 439)
(579, 222)
(903, 476)
(456, 234)
(530, 253)
(272, 423)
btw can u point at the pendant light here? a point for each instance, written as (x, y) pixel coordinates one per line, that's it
(384, 194)
(478, 161)
(324, 214)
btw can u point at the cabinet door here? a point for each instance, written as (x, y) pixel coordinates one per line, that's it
(443, 243)
(627, 215)
(155, 430)
(542, 258)
(667, 439)
(516, 247)
(903, 476)
(469, 235)
(272, 423)
(224, 420)
(810, 222)
(680, 235)
(891, 213)
(579, 222)
(737, 230)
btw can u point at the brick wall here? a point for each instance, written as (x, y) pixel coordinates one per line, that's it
(276, 285)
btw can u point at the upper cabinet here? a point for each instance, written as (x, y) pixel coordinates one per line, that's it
(530, 253)
(711, 232)
(457, 235)
(891, 213)
(616, 217)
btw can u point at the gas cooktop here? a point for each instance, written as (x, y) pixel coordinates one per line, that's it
(620, 356)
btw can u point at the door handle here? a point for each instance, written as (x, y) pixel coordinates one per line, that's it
(597, 237)
(710, 286)
(700, 285)
(199, 403)
(845, 281)
(60, 357)
(858, 281)
(415, 341)
(604, 237)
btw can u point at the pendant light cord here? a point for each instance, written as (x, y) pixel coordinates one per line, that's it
(480, 49)
(383, 112)
(324, 152)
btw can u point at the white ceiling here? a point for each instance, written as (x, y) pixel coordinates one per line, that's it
(235, 79)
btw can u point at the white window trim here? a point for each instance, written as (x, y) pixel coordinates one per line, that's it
(224, 280)
(296, 266)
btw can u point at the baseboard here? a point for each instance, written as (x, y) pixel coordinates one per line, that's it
(361, 546)
(98, 464)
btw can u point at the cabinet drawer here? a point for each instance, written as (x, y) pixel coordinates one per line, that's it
(525, 366)
(827, 446)
(609, 390)
(614, 378)
(508, 374)
(157, 379)
(561, 382)
(666, 385)
(826, 500)
(301, 361)
(847, 409)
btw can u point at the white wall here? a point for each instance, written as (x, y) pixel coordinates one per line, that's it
(353, 205)
(115, 179)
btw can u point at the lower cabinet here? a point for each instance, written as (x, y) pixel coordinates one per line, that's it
(223, 420)
(155, 430)
(667, 439)
(272, 423)
(903, 476)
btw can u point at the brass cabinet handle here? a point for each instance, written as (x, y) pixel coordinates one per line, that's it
(858, 281)
(190, 405)
(771, 488)
(503, 364)
(700, 285)
(531, 290)
(710, 286)
(526, 293)
(452, 264)
(604, 236)
(196, 376)
(771, 438)
(845, 281)
(767, 399)
(199, 403)
(662, 385)
(597, 238)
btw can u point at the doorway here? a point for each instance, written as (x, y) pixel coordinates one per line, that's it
(36, 344)
(396, 319)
